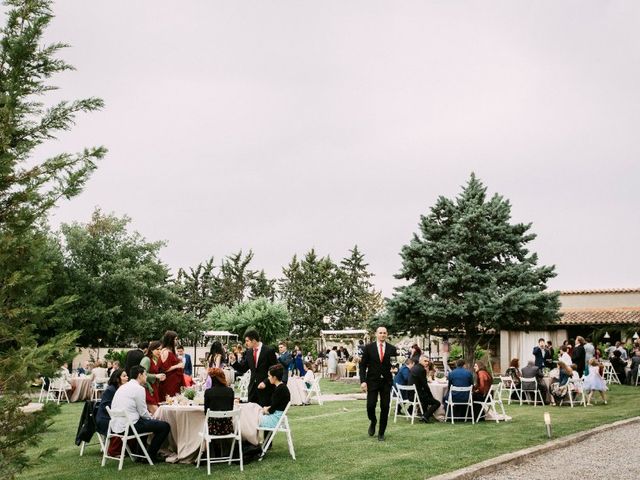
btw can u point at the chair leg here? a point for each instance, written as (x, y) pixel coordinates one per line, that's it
(240, 454)
(106, 450)
(200, 453)
(208, 458)
(82, 444)
(125, 447)
(290, 441)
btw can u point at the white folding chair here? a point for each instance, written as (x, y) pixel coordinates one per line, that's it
(468, 403)
(101, 441)
(509, 386)
(575, 390)
(529, 386)
(409, 403)
(129, 433)
(489, 404)
(243, 386)
(43, 391)
(394, 398)
(234, 416)
(281, 426)
(610, 375)
(57, 389)
(99, 386)
(313, 391)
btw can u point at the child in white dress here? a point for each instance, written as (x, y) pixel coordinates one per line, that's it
(594, 382)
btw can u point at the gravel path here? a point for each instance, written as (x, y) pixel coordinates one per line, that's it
(611, 454)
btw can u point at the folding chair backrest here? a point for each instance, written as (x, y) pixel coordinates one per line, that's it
(529, 384)
(234, 415)
(453, 389)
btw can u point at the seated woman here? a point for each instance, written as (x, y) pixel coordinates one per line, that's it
(559, 389)
(514, 371)
(117, 379)
(219, 398)
(309, 377)
(593, 381)
(618, 366)
(152, 387)
(279, 399)
(481, 387)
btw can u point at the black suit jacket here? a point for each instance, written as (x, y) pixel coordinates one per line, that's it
(418, 377)
(259, 374)
(374, 373)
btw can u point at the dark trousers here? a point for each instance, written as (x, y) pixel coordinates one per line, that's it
(429, 404)
(160, 432)
(384, 391)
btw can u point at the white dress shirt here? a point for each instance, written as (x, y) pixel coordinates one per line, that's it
(130, 397)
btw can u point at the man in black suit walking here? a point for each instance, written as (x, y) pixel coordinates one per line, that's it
(376, 379)
(259, 358)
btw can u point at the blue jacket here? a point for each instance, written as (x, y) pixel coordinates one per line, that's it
(286, 360)
(460, 377)
(188, 367)
(402, 377)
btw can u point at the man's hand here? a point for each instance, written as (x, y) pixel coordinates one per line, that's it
(261, 386)
(363, 386)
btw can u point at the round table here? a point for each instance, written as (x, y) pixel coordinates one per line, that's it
(82, 389)
(439, 390)
(186, 423)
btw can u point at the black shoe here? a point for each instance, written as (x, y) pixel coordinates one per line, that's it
(372, 429)
(381, 437)
(424, 419)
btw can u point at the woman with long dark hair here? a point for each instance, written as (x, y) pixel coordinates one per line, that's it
(154, 377)
(217, 356)
(171, 366)
(116, 380)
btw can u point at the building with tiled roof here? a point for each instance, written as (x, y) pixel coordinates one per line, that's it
(589, 313)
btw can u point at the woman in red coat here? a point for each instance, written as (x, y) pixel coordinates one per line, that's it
(171, 366)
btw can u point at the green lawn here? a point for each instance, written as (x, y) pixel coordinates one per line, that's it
(331, 443)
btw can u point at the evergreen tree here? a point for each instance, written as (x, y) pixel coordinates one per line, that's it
(29, 188)
(261, 286)
(197, 289)
(468, 271)
(358, 301)
(234, 279)
(310, 290)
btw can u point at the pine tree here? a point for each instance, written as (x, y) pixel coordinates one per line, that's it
(310, 290)
(29, 188)
(469, 272)
(358, 301)
(261, 286)
(234, 279)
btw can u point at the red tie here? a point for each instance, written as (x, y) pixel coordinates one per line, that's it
(255, 357)
(381, 354)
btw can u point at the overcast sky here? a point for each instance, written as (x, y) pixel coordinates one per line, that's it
(281, 126)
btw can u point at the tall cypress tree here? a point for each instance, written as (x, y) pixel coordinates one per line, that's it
(359, 301)
(469, 272)
(29, 188)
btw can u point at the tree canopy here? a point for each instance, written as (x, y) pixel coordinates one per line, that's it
(468, 272)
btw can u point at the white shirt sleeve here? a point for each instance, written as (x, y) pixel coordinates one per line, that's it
(141, 403)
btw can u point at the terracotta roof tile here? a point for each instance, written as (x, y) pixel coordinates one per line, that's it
(600, 316)
(600, 290)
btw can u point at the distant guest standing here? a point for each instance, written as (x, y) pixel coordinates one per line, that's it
(376, 379)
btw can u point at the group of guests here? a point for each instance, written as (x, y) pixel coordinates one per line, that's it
(136, 391)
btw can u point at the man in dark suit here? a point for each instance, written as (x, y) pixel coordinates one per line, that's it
(541, 353)
(532, 371)
(286, 360)
(259, 358)
(418, 377)
(134, 356)
(376, 379)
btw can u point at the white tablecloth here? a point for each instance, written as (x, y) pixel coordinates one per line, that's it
(439, 390)
(82, 389)
(187, 422)
(297, 390)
